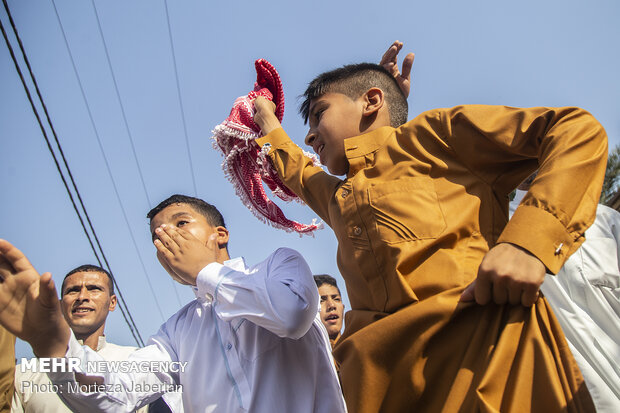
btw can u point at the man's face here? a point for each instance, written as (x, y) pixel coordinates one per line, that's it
(86, 301)
(182, 216)
(333, 117)
(332, 309)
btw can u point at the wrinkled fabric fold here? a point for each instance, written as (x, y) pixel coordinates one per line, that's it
(478, 358)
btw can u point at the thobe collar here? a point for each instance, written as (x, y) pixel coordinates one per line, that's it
(359, 149)
(100, 342)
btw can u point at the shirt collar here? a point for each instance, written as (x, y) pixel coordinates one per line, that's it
(100, 342)
(358, 148)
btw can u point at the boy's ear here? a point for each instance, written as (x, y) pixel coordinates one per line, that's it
(222, 236)
(373, 101)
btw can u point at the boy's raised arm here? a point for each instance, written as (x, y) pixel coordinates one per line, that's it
(29, 305)
(298, 172)
(280, 296)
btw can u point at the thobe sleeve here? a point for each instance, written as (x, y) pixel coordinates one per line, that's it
(612, 222)
(503, 145)
(280, 295)
(119, 392)
(298, 172)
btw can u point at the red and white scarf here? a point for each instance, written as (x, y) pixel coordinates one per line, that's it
(245, 164)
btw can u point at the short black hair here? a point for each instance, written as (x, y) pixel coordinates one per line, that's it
(89, 268)
(326, 279)
(211, 213)
(353, 81)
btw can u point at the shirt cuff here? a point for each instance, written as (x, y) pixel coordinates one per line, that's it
(208, 280)
(74, 351)
(540, 233)
(276, 138)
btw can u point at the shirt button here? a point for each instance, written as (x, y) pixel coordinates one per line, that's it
(357, 230)
(344, 193)
(228, 346)
(209, 297)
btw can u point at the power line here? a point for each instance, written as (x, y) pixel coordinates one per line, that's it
(176, 76)
(107, 164)
(130, 322)
(120, 101)
(132, 326)
(133, 148)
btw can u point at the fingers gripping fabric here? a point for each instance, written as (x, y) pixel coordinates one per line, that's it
(245, 164)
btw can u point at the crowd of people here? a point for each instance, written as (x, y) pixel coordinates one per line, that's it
(447, 313)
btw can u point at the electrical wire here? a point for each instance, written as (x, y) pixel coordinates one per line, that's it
(107, 165)
(120, 102)
(135, 155)
(126, 313)
(176, 76)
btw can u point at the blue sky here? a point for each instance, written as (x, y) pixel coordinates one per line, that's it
(527, 53)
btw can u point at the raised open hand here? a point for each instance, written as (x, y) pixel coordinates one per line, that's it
(390, 62)
(29, 305)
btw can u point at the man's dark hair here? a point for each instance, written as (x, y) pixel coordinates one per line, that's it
(213, 216)
(326, 279)
(89, 268)
(355, 80)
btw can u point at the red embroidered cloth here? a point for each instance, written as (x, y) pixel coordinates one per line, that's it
(245, 164)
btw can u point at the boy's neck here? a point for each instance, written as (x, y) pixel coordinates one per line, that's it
(374, 122)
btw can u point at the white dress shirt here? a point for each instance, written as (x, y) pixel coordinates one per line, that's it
(585, 297)
(253, 341)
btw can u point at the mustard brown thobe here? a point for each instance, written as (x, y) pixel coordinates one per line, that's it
(418, 210)
(7, 369)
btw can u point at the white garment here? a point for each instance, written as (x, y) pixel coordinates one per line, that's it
(253, 341)
(585, 297)
(34, 392)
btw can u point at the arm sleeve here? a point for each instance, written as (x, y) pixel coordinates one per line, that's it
(279, 294)
(503, 145)
(310, 183)
(119, 390)
(615, 230)
(17, 405)
(610, 220)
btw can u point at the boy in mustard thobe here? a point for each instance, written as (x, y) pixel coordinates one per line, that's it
(446, 314)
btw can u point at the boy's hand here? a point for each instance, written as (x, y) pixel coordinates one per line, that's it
(390, 62)
(507, 274)
(182, 254)
(265, 116)
(29, 306)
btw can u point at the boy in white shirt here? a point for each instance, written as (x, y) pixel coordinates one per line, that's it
(252, 339)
